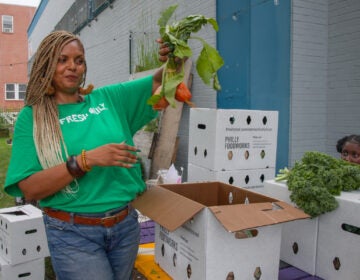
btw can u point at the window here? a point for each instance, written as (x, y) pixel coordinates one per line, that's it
(15, 91)
(7, 24)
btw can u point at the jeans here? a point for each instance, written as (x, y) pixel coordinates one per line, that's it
(82, 252)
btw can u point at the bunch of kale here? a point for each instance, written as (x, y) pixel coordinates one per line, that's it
(316, 179)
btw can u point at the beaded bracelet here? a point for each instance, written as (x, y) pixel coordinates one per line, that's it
(74, 168)
(83, 160)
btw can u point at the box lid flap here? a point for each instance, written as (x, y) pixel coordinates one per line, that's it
(166, 208)
(21, 212)
(246, 216)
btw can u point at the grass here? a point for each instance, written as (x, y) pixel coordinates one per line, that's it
(9, 201)
(5, 151)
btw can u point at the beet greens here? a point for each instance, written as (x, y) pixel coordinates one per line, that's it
(176, 35)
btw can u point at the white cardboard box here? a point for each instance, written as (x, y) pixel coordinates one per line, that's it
(22, 234)
(223, 139)
(251, 179)
(338, 249)
(32, 270)
(213, 230)
(299, 238)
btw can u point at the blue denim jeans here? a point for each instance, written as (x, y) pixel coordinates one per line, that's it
(82, 252)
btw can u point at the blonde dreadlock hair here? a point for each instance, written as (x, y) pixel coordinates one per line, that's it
(46, 129)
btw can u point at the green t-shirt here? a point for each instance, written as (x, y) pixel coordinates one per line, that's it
(110, 114)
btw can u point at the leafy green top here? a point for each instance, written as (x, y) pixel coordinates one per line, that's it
(316, 179)
(176, 35)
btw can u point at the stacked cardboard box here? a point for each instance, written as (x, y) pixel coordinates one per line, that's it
(252, 179)
(299, 238)
(213, 230)
(237, 147)
(338, 246)
(327, 246)
(23, 243)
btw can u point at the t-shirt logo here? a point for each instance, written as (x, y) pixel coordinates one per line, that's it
(83, 117)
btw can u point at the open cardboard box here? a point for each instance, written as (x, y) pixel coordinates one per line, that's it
(200, 230)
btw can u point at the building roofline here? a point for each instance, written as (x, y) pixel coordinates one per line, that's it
(37, 16)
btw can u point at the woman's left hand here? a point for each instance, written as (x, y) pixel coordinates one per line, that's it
(113, 154)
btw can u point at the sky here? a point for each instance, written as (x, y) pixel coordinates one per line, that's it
(33, 3)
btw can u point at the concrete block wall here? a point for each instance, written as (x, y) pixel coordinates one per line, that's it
(50, 16)
(308, 123)
(324, 62)
(107, 50)
(107, 47)
(107, 39)
(325, 75)
(343, 71)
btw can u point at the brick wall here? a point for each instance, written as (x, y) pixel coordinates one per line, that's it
(14, 50)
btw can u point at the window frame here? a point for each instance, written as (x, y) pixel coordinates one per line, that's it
(5, 20)
(16, 92)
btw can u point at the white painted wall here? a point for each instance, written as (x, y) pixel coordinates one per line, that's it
(308, 77)
(106, 43)
(343, 71)
(325, 71)
(52, 14)
(107, 51)
(325, 91)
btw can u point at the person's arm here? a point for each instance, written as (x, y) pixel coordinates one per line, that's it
(157, 80)
(46, 182)
(157, 77)
(49, 181)
(164, 51)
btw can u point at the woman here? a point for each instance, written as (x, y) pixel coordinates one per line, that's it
(75, 155)
(349, 148)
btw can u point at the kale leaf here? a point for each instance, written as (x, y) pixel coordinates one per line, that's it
(316, 179)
